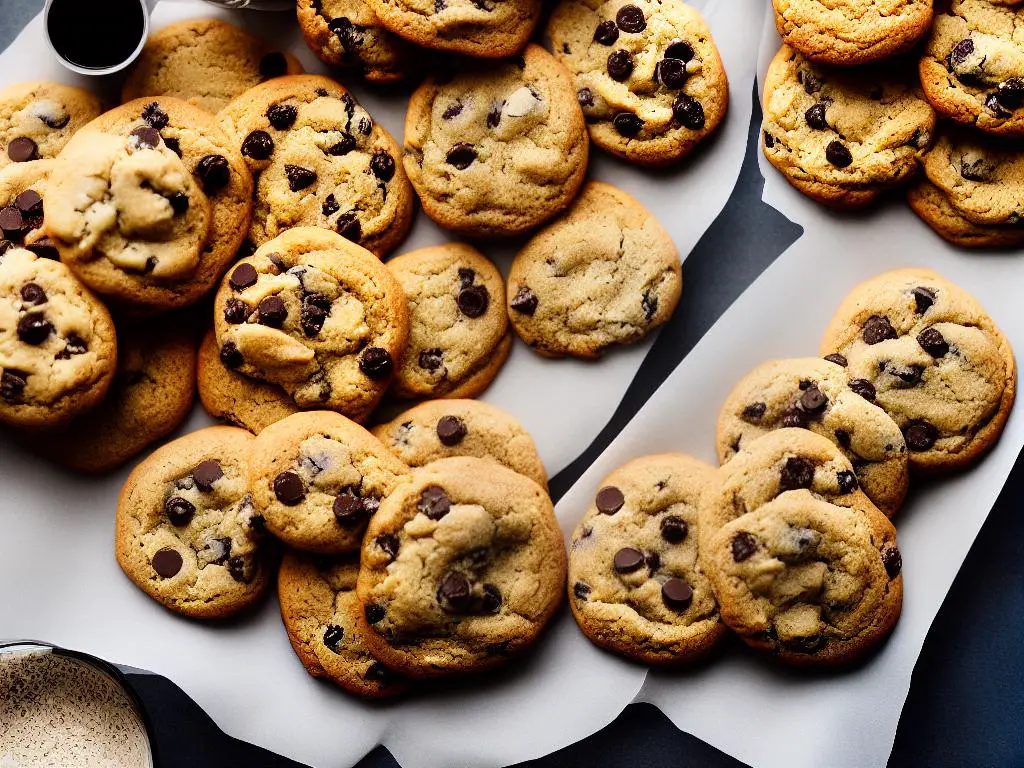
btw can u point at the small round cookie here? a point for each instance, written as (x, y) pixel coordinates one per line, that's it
(481, 28)
(320, 612)
(648, 75)
(187, 533)
(461, 568)
(852, 32)
(839, 136)
(438, 429)
(497, 149)
(206, 62)
(347, 34)
(935, 209)
(317, 315)
(936, 362)
(605, 273)
(972, 69)
(317, 478)
(810, 582)
(322, 161)
(22, 188)
(458, 327)
(236, 399)
(149, 204)
(814, 394)
(635, 583)
(58, 347)
(38, 118)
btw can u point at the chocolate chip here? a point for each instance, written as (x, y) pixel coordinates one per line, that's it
(172, 144)
(674, 529)
(606, 33)
(34, 328)
(813, 400)
(993, 105)
(688, 112)
(754, 411)
(795, 417)
(628, 560)
(179, 511)
(342, 147)
(920, 435)
(494, 116)
(461, 156)
(525, 301)
(333, 636)
(864, 388)
(348, 226)
(680, 50)
(258, 145)
(671, 73)
(381, 673)
(382, 165)
(230, 355)
(273, 64)
(491, 599)
(815, 116)
(376, 363)
(932, 342)
(892, 560)
(30, 203)
(677, 594)
(847, 481)
(330, 205)
(810, 81)
(453, 593)
(55, 121)
(314, 313)
(1010, 93)
(649, 304)
(365, 126)
(960, 53)
(434, 502)
(12, 223)
(609, 500)
(620, 65)
(12, 384)
(155, 115)
(452, 110)
(743, 546)
(796, 473)
(299, 178)
(451, 430)
(214, 173)
(581, 590)
(44, 248)
(282, 116)
(843, 438)
(374, 613)
(431, 359)
(179, 202)
(22, 150)
(466, 276)
(388, 542)
(474, 300)
(627, 124)
(585, 97)
(206, 474)
(236, 311)
(243, 276)
(838, 154)
(348, 509)
(272, 311)
(33, 293)
(878, 329)
(836, 358)
(923, 299)
(289, 489)
(631, 19)
(146, 137)
(75, 345)
(167, 562)
(910, 374)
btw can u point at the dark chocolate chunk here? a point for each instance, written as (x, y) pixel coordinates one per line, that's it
(628, 560)
(374, 613)
(674, 529)
(155, 115)
(609, 500)
(179, 511)
(389, 543)
(920, 434)
(473, 300)
(33, 294)
(525, 301)
(376, 363)
(348, 509)
(878, 329)
(688, 112)
(847, 481)
(813, 400)
(627, 124)
(932, 342)
(892, 560)
(22, 149)
(677, 594)
(461, 156)
(243, 276)
(299, 178)
(214, 173)
(34, 328)
(348, 226)
(12, 384)
(146, 137)
(631, 19)
(864, 388)
(167, 562)
(454, 592)
(431, 359)
(236, 311)
(620, 65)
(796, 473)
(836, 358)
(838, 154)
(333, 635)
(451, 430)
(743, 546)
(282, 116)
(230, 355)
(258, 145)
(607, 33)
(754, 411)
(382, 165)
(434, 502)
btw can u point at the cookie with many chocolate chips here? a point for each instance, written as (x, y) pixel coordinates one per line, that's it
(813, 583)
(187, 533)
(58, 347)
(636, 585)
(207, 62)
(605, 273)
(499, 148)
(936, 361)
(317, 478)
(438, 429)
(462, 567)
(149, 204)
(935, 208)
(844, 136)
(37, 119)
(321, 615)
(972, 69)
(22, 186)
(814, 394)
(458, 327)
(648, 75)
(316, 315)
(322, 161)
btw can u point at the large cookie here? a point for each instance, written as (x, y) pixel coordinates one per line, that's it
(461, 569)
(37, 119)
(648, 75)
(603, 274)
(498, 148)
(635, 582)
(937, 363)
(935, 208)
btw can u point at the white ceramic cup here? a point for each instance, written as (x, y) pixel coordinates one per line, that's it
(147, 9)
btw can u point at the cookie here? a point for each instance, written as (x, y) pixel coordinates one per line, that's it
(439, 429)
(317, 478)
(852, 33)
(972, 69)
(22, 190)
(320, 612)
(605, 273)
(38, 118)
(206, 62)
(239, 400)
(317, 315)
(458, 327)
(647, 75)
(934, 208)
(635, 583)
(934, 360)
(321, 161)
(187, 533)
(810, 582)
(498, 148)
(347, 34)
(843, 136)
(58, 347)
(461, 568)
(149, 204)
(814, 394)
(481, 28)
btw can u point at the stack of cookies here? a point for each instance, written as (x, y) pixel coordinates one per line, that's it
(788, 543)
(867, 96)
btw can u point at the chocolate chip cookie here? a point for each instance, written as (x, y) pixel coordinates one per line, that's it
(461, 568)
(321, 161)
(149, 204)
(648, 75)
(458, 337)
(934, 207)
(207, 62)
(499, 148)
(58, 347)
(972, 69)
(187, 533)
(439, 429)
(935, 360)
(316, 315)
(635, 583)
(38, 118)
(22, 186)
(603, 274)
(843, 136)
(814, 394)
(320, 612)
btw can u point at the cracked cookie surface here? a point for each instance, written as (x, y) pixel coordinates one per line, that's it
(461, 569)
(937, 362)
(605, 273)
(936, 209)
(37, 118)
(498, 149)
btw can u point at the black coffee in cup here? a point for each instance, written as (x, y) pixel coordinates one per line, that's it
(96, 34)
